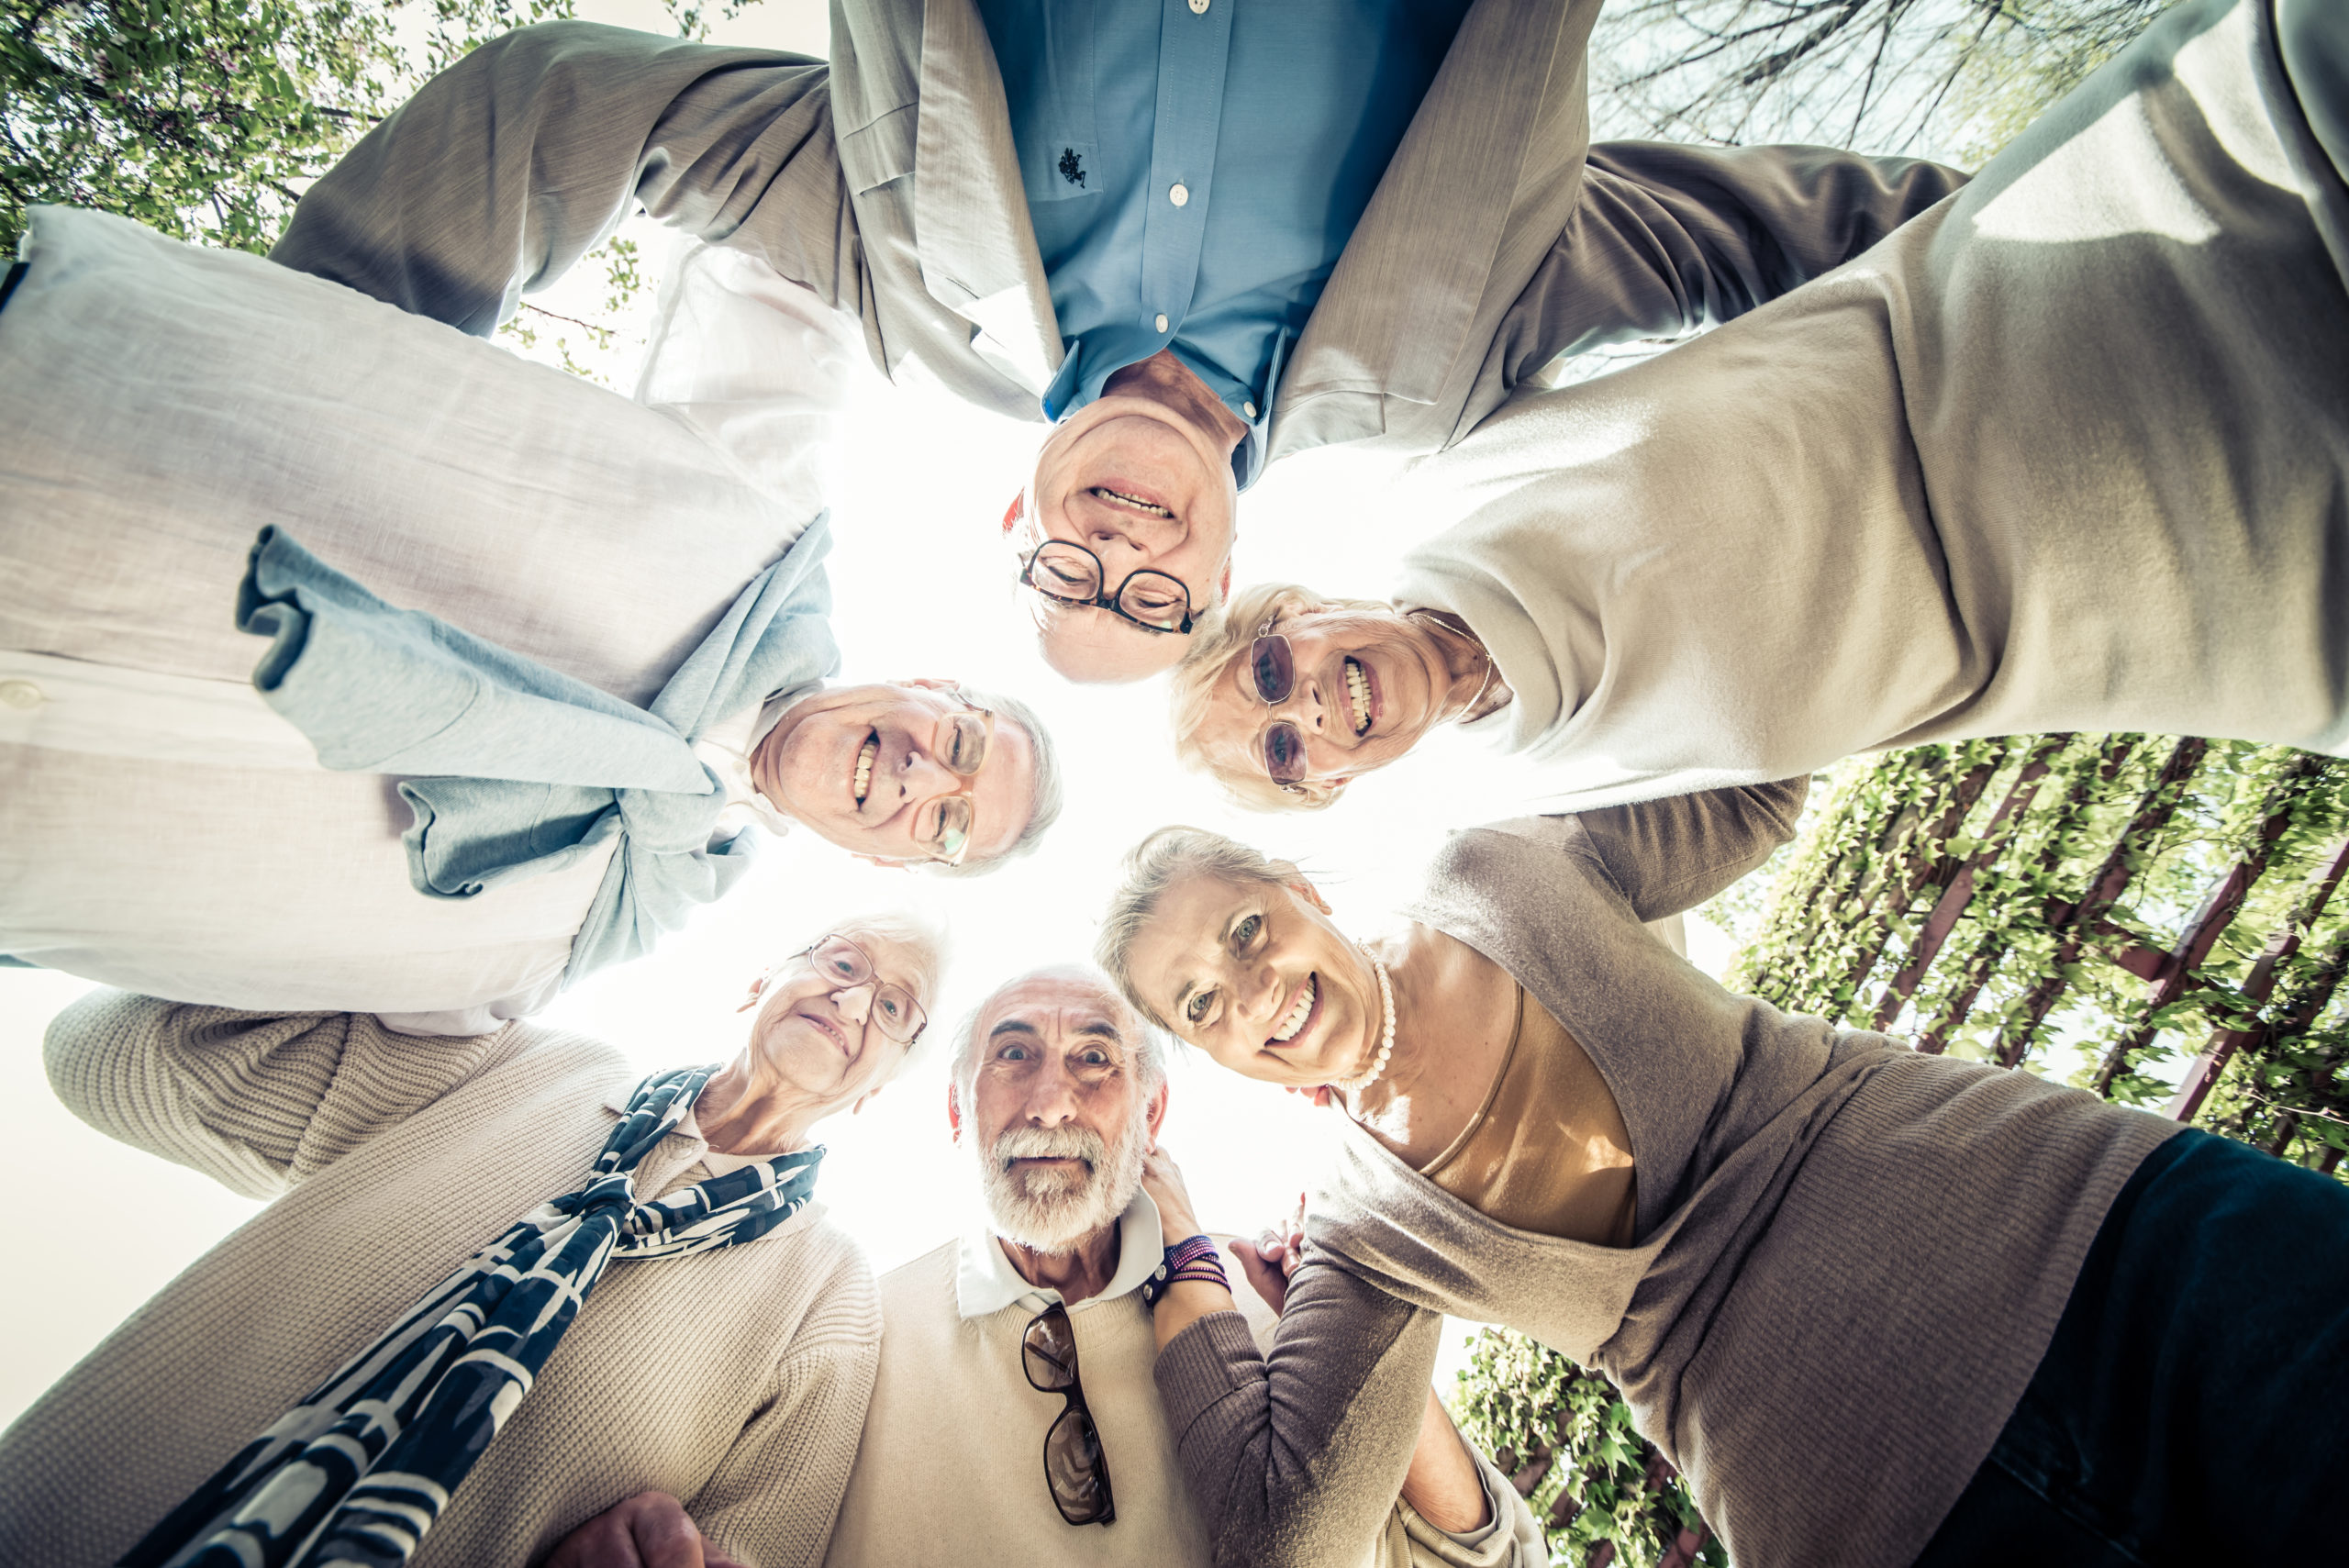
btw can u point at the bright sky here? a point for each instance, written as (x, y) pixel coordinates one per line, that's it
(923, 588)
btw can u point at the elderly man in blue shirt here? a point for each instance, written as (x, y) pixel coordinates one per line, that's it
(1194, 235)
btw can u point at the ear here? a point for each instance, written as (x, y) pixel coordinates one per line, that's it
(858, 1105)
(1157, 1114)
(1223, 584)
(1309, 892)
(927, 682)
(953, 1113)
(1017, 511)
(757, 987)
(885, 864)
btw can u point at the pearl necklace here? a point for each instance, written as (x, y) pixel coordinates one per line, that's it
(1387, 1041)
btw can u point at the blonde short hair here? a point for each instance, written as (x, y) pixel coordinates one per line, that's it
(1220, 641)
(1150, 869)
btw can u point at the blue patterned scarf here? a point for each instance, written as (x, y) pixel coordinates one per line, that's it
(358, 1471)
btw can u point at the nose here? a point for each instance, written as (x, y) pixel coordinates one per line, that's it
(922, 776)
(1051, 1102)
(855, 1003)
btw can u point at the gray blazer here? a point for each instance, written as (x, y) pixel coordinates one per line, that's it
(889, 183)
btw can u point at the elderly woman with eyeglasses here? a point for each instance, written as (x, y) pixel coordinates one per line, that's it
(2069, 452)
(505, 1283)
(1878, 1308)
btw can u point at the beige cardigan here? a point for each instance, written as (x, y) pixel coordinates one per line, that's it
(2065, 452)
(735, 1380)
(1848, 1257)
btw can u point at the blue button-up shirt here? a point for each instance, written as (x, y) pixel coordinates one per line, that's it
(1194, 168)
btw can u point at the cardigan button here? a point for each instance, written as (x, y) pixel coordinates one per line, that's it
(19, 695)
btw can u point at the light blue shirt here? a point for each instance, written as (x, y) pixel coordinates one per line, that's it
(1194, 167)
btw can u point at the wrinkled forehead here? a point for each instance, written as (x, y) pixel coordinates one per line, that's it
(1075, 1005)
(895, 959)
(1185, 930)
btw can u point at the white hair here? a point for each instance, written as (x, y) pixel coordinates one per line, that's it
(1152, 869)
(1046, 795)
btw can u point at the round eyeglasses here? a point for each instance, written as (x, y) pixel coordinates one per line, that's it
(1071, 574)
(1272, 666)
(893, 1010)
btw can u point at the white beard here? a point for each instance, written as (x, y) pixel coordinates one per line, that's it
(1051, 1211)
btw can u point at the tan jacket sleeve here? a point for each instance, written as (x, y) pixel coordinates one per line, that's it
(514, 163)
(256, 1101)
(1666, 237)
(1670, 855)
(774, 1497)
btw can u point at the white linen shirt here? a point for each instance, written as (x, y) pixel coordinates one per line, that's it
(161, 828)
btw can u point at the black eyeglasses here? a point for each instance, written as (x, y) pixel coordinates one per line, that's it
(1071, 574)
(1074, 1468)
(1272, 665)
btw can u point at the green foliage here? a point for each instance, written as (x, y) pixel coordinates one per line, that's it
(1566, 1435)
(204, 120)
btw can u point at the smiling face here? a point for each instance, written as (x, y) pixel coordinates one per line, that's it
(1368, 684)
(1054, 1106)
(1259, 977)
(1140, 484)
(869, 768)
(818, 1040)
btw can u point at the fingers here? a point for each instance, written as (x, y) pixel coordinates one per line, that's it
(1264, 1273)
(648, 1530)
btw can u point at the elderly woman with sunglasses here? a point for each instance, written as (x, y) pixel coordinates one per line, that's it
(1879, 1308)
(2069, 452)
(506, 1282)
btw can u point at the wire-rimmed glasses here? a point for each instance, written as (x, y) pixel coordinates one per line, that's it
(964, 741)
(1071, 574)
(893, 1008)
(1076, 1471)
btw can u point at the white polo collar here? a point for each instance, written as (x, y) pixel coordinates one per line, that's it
(984, 1281)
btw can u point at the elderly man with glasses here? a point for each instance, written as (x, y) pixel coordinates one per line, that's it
(1015, 1417)
(348, 662)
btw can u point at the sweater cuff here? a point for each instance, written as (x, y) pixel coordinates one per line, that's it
(1204, 1366)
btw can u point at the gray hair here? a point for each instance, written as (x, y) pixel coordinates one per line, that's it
(1048, 797)
(1150, 1044)
(1219, 640)
(1150, 869)
(925, 941)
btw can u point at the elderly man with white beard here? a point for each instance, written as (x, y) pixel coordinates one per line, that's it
(1014, 1417)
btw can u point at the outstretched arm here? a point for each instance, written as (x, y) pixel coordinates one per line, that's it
(1668, 237)
(256, 1101)
(1298, 1457)
(1670, 855)
(514, 163)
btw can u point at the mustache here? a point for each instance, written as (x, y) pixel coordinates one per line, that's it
(1051, 1143)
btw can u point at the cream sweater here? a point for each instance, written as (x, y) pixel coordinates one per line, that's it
(2065, 452)
(735, 1380)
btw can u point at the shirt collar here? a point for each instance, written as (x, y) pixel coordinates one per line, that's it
(1085, 370)
(984, 1281)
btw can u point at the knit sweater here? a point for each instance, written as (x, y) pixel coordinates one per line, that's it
(951, 1467)
(1848, 1257)
(2065, 453)
(735, 1379)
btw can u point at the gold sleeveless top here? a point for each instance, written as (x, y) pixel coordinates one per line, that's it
(1547, 1152)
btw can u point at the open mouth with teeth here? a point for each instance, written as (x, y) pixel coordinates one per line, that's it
(861, 782)
(1358, 703)
(1300, 1013)
(1131, 502)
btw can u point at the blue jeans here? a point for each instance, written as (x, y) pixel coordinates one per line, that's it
(2194, 1405)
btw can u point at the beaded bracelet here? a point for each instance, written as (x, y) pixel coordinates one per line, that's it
(1194, 1259)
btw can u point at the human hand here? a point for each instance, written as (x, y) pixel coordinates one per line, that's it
(1271, 1259)
(650, 1530)
(1162, 1180)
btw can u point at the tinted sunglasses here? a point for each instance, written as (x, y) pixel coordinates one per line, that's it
(1271, 663)
(1074, 1467)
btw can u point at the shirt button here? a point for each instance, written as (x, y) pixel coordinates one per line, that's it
(19, 695)
(1160, 321)
(1248, 410)
(1178, 193)
(1198, 8)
